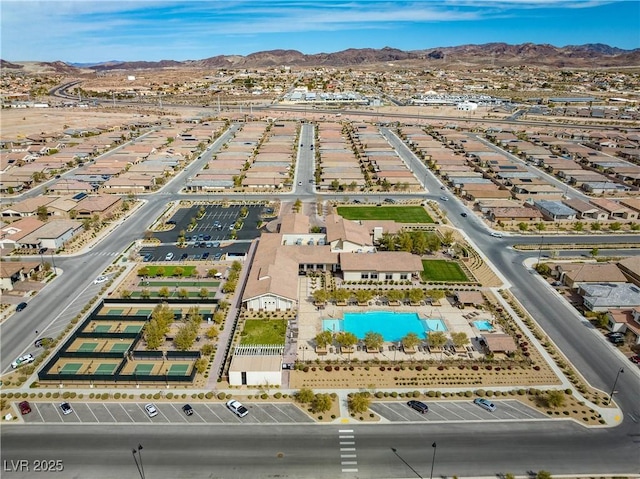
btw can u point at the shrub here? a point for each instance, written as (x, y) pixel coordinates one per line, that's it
(221, 396)
(480, 392)
(209, 395)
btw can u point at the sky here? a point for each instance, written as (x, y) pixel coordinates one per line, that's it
(101, 30)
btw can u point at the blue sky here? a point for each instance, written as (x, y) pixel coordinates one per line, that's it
(98, 30)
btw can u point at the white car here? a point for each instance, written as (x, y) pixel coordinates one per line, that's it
(168, 257)
(495, 234)
(485, 404)
(100, 280)
(151, 410)
(26, 359)
(444, 198)
(237, 408)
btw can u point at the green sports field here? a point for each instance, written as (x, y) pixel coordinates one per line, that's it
(442, 270)
(399, 214)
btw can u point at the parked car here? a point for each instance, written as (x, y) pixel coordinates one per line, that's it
(20, 307)
(205, 255)
(463, 214)
(42, 342)
(418, 406)
(209, 244)
(26, 359)
(215, 244)
(617, 340)
(635, 359)
(390, 200)
(66, 408)
(207, 237)
(217, 256)
(151, 410)
(184, 256)
(485, 404)
(100, 280)
(25, 407)
(168, 257)
(147, 257)
(237, 408)
(188, 410)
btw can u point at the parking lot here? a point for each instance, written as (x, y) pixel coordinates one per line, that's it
(508, 410)
(267, 413)
(134, 412)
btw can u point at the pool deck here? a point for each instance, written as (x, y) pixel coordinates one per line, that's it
(309, 324)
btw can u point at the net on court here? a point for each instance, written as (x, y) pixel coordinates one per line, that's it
(107, 368)
(143, 369)
(178, 370)
(120, 347)
(87, 347)
(71, 368)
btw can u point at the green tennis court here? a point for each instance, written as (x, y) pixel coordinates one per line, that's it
(105, 369)
(144, 312)
(132, 328)
(120, 347)
(143, 369)
(87, 347)
(115, 312)
(178, 370)
(102, 328)
(71, 368)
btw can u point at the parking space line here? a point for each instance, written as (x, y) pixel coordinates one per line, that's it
(273, 418)
(127, 412)
(214, 413)
(458, 406)
(112, 416)
(91, 410)
(38, 411)
(181, 413)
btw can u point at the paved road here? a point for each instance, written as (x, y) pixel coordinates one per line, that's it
(312, 451)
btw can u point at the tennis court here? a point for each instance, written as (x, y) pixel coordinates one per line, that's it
(71, 368)
(143, 312)
(132, 328)
(115, 312)
(87, 347)
(143, 369)
(102, 328)
(105, 368)
(178, 370)
(120, 347)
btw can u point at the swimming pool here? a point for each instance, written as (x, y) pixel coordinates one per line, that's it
(391, 325)
(483, 325)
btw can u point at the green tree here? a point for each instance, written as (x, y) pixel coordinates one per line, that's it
(42, 213)
(594, 252)
(324, 339)
(346, 339)
(459, 339)
(341, 295)
(304, 396)
(396, 295)
(578, 226)
(204, 293)
(125, 293)
(212, 272)
(201, 365)
(212, 332)
(359, 403)
(178, 271)
(436, 339)
(436, 294)
(522, 226)
(596, 226)
(145, 293)
(185, 337)
(153, 335)
(541, 226)
(373, 340)
(364, 295)
(183, 293)
(144, 271)
(416, 295)
(543, 475)
(163, 292)
(321, 403)
(320, 296)
(410, 341)
(615, 226)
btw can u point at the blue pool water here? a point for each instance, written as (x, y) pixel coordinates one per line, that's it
(483, 325)
(393, 326)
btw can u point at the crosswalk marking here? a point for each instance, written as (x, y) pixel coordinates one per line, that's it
(346, 438)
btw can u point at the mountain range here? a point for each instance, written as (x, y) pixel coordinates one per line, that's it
(464, 56)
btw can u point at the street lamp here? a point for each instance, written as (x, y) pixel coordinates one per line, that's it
(540, 249)
(53, 261)
(613, 389)
(433, 460)
(138, 465)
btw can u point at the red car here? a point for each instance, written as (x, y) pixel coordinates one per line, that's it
(635, 359)
(25, 407)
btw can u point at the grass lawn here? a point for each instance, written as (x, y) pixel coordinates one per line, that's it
(264, 331)
(168, 270)
(181, 284)
(442, 270)
(399, 214)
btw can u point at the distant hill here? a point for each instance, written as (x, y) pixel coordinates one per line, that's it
(489, 54)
